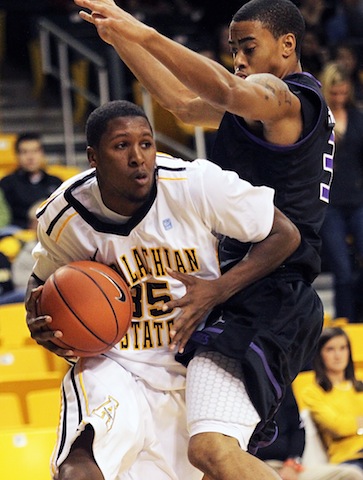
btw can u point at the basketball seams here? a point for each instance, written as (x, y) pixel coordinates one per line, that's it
(106, 325)
(81, 270)
(59, 342)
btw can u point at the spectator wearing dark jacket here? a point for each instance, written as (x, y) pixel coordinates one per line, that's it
(29, 182)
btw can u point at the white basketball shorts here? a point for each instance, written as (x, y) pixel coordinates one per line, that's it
(139, 432)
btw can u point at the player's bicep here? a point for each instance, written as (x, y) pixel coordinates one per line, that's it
(269, 99)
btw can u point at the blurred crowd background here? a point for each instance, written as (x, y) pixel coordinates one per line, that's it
(334, 28)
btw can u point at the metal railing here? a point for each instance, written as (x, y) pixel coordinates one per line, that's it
(60, 69)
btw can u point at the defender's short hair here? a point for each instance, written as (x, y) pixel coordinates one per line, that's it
(278, 16)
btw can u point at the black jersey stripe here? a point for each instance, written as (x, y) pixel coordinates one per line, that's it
(170, 169)
(105, 227)
(55, 219)
(40, 213)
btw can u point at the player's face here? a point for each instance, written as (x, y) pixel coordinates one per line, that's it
(335, 355)
(254, 49)
(125, 162)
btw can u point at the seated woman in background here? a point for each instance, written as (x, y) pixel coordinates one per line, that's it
(336, 399)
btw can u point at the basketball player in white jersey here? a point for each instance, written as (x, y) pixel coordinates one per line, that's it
(147, 215)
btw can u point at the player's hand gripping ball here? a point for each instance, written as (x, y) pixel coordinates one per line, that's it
(90, 303)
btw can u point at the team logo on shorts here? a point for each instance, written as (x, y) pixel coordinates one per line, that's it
(107, 411)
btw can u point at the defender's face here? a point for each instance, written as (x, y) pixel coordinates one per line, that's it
(125, 162)
(254, 49)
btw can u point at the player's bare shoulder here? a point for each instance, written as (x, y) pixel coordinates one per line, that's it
(281, 123)
(278, 89)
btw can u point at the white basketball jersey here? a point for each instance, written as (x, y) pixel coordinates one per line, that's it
(191, 205)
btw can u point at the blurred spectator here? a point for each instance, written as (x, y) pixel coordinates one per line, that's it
(346, 22)
(347, 56)
(342, 230)
(4, 211)
(28, 183)
(6, 284)
(335, 400)
(314, 13)
(313, 52)
(22, 264)
(163, 14)
(285, 454)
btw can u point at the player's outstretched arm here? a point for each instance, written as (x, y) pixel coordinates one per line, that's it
(202, 295)
(38, 324)
(207, 79)
(165, 87)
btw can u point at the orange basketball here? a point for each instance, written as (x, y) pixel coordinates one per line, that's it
(90, 304)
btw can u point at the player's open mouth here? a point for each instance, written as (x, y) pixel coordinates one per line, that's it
(141, 178)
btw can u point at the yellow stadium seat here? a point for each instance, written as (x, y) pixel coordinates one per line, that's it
(23, 361)
(56, 364)
(13, 329)
(43, 407)
(11, 413)
(300, 383)
(26, 453)
(63, 171)
(7, 150)
(21, 385)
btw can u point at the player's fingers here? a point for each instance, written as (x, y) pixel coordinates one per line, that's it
(183, 327)
(94, 6)
(44, 336)
(39, 329)
(180, 339)
(172, 304)
(185, 278)
(61, 352)
(34, 295)
(37, 323)
(87, 16)
(97, 16)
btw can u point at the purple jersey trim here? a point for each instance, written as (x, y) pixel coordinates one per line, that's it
(282, 148)
(268, 371)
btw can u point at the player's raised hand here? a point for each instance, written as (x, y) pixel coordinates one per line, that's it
(38, 326)
(111, 21)
(201, 296)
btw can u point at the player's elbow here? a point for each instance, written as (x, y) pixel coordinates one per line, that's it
(294, 237)
(288, 232)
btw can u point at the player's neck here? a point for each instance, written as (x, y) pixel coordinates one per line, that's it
(291, 69)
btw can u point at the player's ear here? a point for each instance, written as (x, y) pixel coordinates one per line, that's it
(91, 155)
(289, 44)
